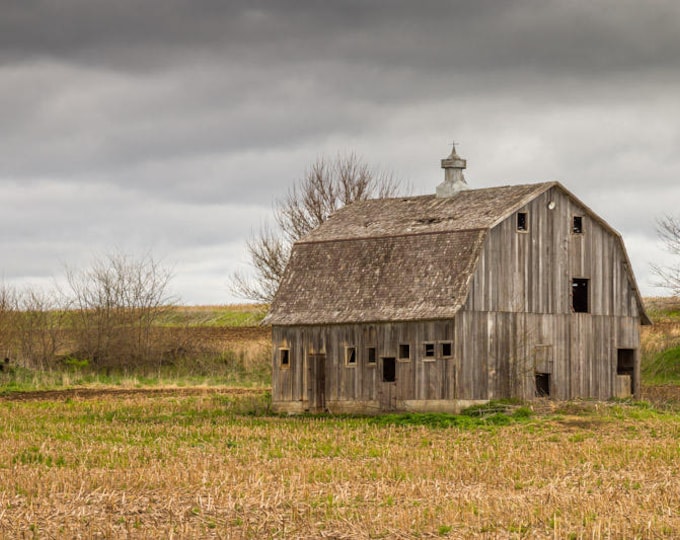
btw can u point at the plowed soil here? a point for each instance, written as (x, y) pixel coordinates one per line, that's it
(122, 393)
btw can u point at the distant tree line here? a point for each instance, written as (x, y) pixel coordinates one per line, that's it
(104, 316)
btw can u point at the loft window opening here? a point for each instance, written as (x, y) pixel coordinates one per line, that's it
(579, 295)
(430, 350)
(446, 349)
(371, 356)
(350, 356)
(522, 221)
(284, 357)
(404, 351)
(577, 225)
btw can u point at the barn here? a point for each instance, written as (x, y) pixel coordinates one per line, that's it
(438, 302)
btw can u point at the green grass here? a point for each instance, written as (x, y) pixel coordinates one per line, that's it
(663, 309)
(214, 316)
(663, 367)
(491, 414)
(230, 368)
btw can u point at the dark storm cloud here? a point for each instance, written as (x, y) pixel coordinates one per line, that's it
(175, 123)
(479, 35)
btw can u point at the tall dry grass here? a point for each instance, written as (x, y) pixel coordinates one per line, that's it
(178, 467)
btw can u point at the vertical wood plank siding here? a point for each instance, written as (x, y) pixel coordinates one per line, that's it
(517, 320)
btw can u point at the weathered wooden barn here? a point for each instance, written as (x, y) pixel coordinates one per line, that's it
(433, 303)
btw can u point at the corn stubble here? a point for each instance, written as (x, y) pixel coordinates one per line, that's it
(206, 466)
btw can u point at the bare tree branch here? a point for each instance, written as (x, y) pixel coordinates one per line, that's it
(668, 231)
(116, 301)
(326, 186)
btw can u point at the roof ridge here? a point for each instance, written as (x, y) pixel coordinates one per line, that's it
(413, 233)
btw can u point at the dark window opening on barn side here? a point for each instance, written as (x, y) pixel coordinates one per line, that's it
(404, 351)
(284, 357)
(350, 356)
(522, 221)
(446, 349)
(430, 351)
(577, 226)
(542, 384)
(579, 295)
(389, 370)
(371, 356)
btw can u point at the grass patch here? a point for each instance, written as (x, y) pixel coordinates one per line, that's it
(231, 316)
(663, 367)
(472, 418)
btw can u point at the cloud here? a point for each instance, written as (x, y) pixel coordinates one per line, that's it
(172, 125)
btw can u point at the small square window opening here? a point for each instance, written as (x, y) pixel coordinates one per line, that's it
(404, 351)
(522, 221)
(350, 356)
(577, 227)
(371, 357)
(284, 357)
(446, 349)
(429, 350)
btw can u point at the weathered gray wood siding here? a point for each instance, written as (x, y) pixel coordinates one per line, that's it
(520, 305)
(579, 351)
(532, 271)
(417, 378)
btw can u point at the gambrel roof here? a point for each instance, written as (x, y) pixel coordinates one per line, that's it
(398, 259)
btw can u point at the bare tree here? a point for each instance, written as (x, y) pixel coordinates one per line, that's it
(326, 186)
(38, 326)
(668, 230)
(8, 313)
(116, 301)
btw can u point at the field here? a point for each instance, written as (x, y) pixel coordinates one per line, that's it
(203, 463)
(129, 460)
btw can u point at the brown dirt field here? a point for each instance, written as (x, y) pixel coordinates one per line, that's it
(659, 395)
(124, 393)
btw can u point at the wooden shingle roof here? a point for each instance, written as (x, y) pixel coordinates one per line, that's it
(405, 258)
(373, 279)
(398, 259)
(468, 210)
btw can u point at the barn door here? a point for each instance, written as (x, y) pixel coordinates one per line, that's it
(388, 383)
(316, 390)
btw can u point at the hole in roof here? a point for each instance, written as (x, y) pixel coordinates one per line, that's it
(429, 221)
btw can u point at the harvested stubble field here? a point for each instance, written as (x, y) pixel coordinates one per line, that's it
(215, 464)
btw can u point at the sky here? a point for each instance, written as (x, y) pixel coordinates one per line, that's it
(169, 127)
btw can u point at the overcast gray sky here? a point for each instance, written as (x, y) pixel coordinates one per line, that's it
(170, 126)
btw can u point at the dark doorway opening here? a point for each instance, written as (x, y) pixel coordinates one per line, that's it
(579, 295)
(625, 365)
(389, 369)
(542, 384)
(317, 382)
